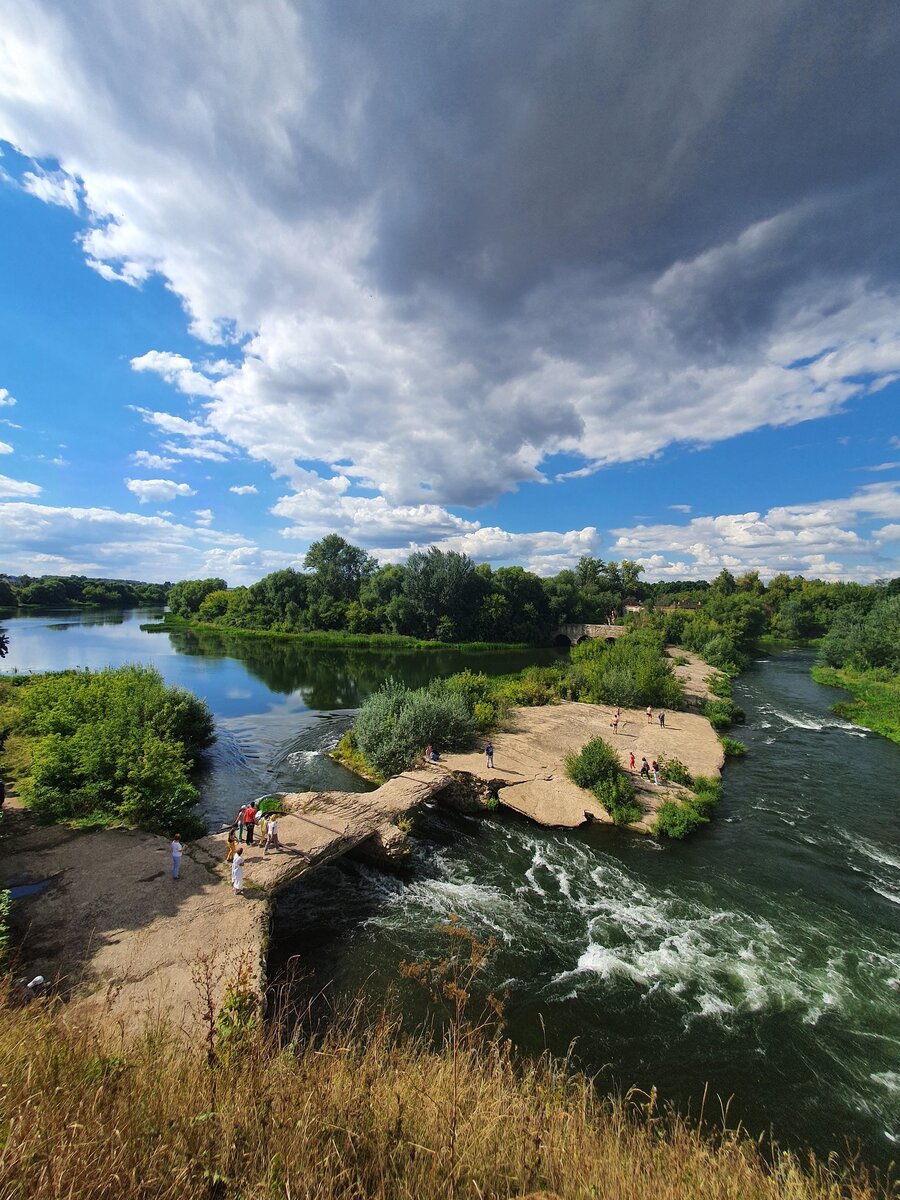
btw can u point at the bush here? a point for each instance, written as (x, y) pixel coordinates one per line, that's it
(678, 820)
(617, 797)
(733, 747)
(673, 770)
(112, 746)
(270, 804)
(722, 713)
(719, 685)
(633, 671)
(595, 762)
(396, 723)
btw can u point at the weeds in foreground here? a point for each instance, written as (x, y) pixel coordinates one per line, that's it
(360, 1111)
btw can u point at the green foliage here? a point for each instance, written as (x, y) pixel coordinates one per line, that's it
(678, 820)
(270, 804)
(616, 794)
(396, 723)
(112, 746)
(238, 1020)
(722, 713)
(732, 747)
(720, 685)
(876, 698)
(71, 591)
(596, 767)
(5, 906)
(595, 761)
(673, 770)
(632, 671)
(186, 597)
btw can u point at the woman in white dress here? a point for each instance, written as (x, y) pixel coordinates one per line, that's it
(237, 871)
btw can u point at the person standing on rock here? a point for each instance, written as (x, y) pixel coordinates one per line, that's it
(249, 822)
(614, 723)
(649, 715)
(237, 871)
(662, 720)
(631, 762)
(177, 851)
(239, 823)
(489, 756)
(654, 767)
(271, 834)
(232, 843)
(645, 768)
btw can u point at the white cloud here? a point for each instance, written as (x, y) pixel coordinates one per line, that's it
(53, 187)
(545, 553)
(245, 489)
(36, 538)
(682, 508)
(158, 489)
(5, 398)
(270, 222)
(204, 516)
(885, 466)
(17, 487)
(806, 539)
(5, 448)
(152, 462)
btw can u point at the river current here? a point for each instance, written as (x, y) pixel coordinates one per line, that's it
(761, 957)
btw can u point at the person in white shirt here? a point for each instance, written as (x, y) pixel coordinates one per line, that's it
(237, 871)
(271, 835)
(177, 851)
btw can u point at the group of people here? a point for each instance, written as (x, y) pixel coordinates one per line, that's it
(661, 717)
(248, 817)
(647, 769)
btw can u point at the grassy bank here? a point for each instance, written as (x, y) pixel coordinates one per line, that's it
(331, 639)
(876, 698)
(362, 1112)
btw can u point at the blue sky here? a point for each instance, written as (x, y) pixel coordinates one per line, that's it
(532, 290)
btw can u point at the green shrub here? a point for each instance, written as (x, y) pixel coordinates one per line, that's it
(707, 784)
(616, 794)
(633, 671)
(270, 804)
(673, 770)
(595, 762)
(722, 713)
(113, 746)
(733, 747)
(396, 723)
(719, 685)
(678, 820)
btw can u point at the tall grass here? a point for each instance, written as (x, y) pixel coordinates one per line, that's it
(362, 1111)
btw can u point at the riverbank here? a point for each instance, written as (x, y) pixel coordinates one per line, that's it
(328, 639)
(876, 700)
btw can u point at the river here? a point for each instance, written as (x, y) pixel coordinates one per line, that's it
(760, 957)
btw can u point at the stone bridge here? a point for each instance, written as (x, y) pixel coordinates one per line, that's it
(573, 634)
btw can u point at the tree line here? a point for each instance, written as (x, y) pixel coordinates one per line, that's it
(444, 596)
(67, 591)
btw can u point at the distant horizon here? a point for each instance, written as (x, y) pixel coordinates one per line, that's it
(560, 280)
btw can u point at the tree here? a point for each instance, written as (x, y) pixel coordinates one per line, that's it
(186, 597)
(441, 587)
(338, 568)
(7, 595)
(4, 643)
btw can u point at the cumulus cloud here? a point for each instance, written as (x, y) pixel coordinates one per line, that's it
(53, 187)
(152, 462)
(808, 539)
(245, 489)
(18, 487)
(204, 516)
(5, 397)
(5, 448)
(100, 541)
(157, 489)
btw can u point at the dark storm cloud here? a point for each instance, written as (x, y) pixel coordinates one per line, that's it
(514, 143)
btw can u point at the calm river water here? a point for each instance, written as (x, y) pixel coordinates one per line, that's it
(761, 957)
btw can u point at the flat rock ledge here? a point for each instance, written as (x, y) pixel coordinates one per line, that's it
(529, 773)
(123, 941)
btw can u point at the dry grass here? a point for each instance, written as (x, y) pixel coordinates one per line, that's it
(362, 1111)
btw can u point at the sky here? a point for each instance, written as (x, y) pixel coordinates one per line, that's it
(529, 280)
